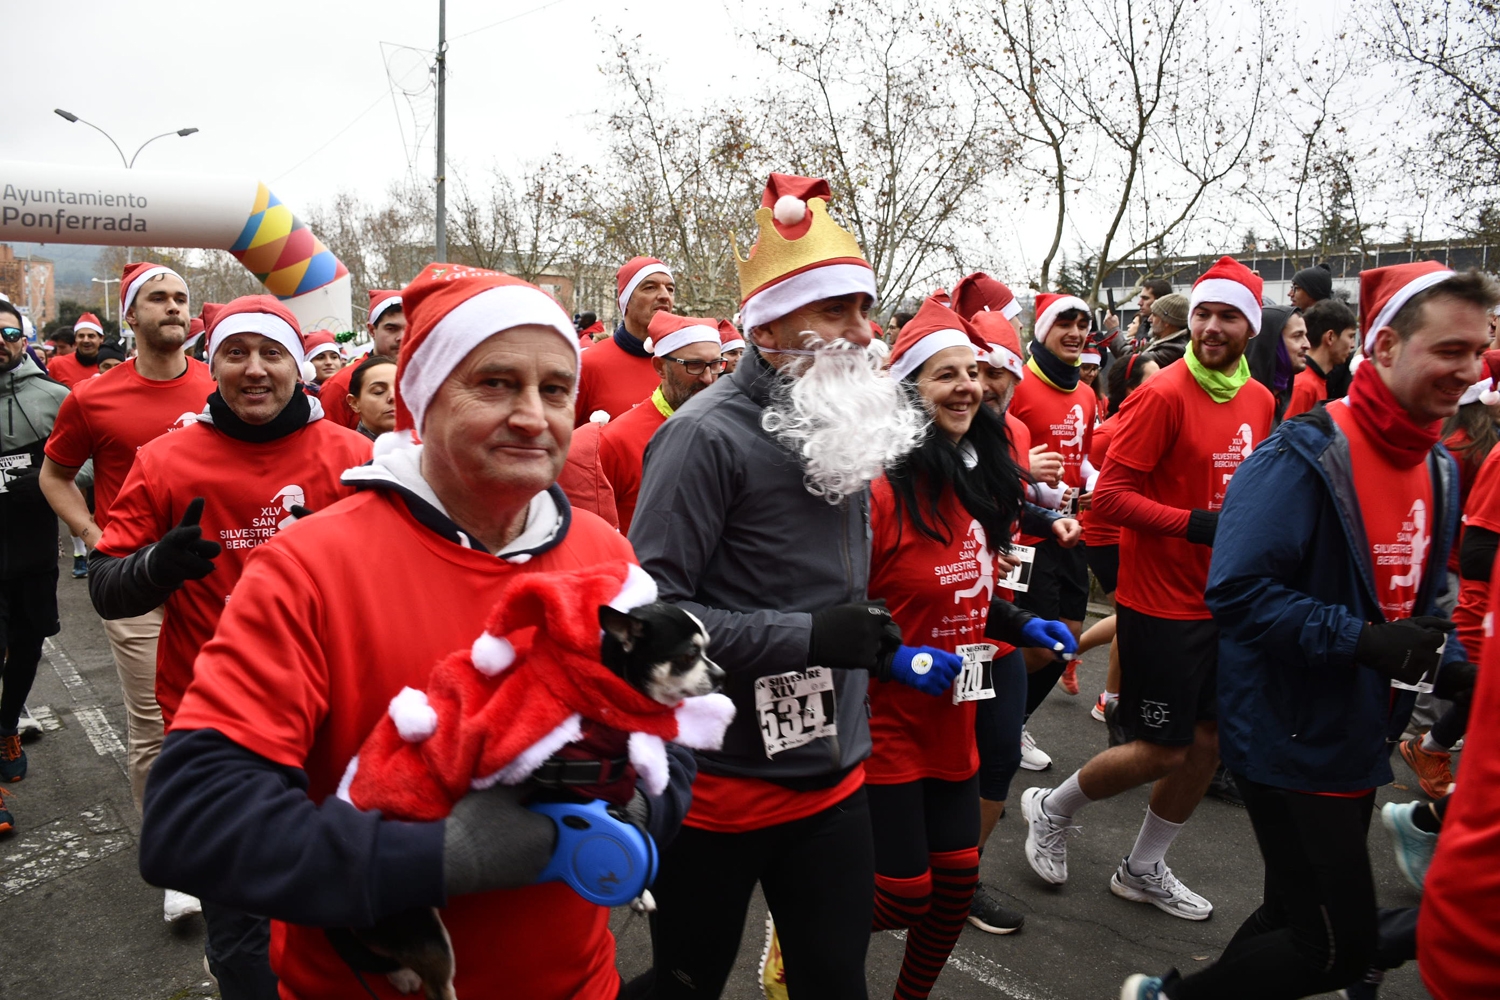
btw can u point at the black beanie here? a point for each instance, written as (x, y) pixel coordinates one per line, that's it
(1315, 281)
(111, 352)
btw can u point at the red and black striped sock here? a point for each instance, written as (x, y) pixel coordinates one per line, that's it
(901, 902)
(954, 876)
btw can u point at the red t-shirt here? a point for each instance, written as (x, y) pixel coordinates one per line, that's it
(69, 372)
(1458, 932)
(1020, 441)
(622, 450)
(109, 417)
(940, 595)
(1063, 421)
(249, 490)
(317, 640)
(333, 395)
(1482, 510)
(1308, 389)
(1190, 446)
(724, 804)
(1096, 530)
(612, 380)
(582, 477)
(1396, 507)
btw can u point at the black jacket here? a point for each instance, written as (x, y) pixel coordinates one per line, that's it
(29, 401)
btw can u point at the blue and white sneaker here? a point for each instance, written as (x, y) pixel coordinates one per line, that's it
(1143, 987)
(1414, 847)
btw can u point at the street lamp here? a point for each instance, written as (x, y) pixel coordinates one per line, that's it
(106, 282)
(69, 116)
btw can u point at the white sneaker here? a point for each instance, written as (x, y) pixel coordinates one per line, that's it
(1033, 758)
(1046, 840)
(177, 905)
(1161, 889)
(29, 729)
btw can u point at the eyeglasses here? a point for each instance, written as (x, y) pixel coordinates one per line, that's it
(696, 368)
(15, 333)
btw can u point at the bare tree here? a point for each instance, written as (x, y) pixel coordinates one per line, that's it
(528, 227)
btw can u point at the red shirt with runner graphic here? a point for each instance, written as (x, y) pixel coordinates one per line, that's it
(1187, 447)
(613, 380)
(248, 491)
(1063, 421)
(622, 450)
(1396, 506)
(1308, 390)
(304, 663)
(1096, 530)
(939, 593)
(1482, 510)
(108, 418)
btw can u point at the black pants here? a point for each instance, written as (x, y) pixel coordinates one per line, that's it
(918, 818)
(238, 948)
(28, 614)
(1447, 730)
(1316, 930)
(997, 727)
(818, 876)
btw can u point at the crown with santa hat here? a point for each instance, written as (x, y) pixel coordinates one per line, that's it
(800, 256)
(134, 276)
(1384, 290)
(262, 314)
(88, 321)
(632, 273)
(934, 328)
(382, 300)
(1049, 306)
(668, 332)
(978, 292)
(1230, 283)
(1002, 341)
(730, 338)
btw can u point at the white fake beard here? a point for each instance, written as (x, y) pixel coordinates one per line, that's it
(843, 415)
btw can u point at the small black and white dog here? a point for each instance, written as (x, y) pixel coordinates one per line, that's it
(658, 649)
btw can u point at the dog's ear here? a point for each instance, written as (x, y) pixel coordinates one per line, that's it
(625, 629)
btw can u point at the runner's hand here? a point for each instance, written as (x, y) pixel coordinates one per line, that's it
(930, 671)
(1044, 634)
(1455, 681)
(182, 554)
(1046, 466)
(1202, 526)
(1067, 531)
(858, 636)
(1402, 650)
(25, 485)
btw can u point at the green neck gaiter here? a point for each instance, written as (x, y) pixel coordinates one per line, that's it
(1220, 387)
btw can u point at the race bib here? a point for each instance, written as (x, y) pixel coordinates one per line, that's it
(795, 708)
(976, 681)
(1019, 579)
(11, 464)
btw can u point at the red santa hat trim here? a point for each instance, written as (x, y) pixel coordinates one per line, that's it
(668, 332)
(1049, 306)
(934, 328)
(639, 589)
(88, 321)
(136, 275)
(262, 314)
(1003, 342)
(415, 719)
(978, 292)
(730, 338)
(382, 299)
(1384, 290)
(635, 271)
(452, 309)
(1230, 283)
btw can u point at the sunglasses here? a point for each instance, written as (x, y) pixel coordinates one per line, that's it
(12, 333)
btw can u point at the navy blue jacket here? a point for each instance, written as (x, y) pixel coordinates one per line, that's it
(1291, 586)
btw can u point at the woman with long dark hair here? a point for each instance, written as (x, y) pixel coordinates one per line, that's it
(942, 522)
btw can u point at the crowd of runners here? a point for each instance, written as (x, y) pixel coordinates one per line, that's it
(891, 541)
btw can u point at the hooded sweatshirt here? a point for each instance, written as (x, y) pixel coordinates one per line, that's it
(29, 401)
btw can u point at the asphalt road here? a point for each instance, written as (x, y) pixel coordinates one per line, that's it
(79, 922)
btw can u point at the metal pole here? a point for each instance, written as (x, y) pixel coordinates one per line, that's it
(440, 244)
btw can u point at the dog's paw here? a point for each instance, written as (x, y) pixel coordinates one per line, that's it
(405, 981)
(644, 903)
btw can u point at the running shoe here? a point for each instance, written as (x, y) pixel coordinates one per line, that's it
(1367, 988)
(1033, 757)
(990, 916)
(1431, 766)
(1413, 846)
(1097, 712)
(1046, 839)
(80, 567)
(1069, 679)
(12, 758)
(176, 905)
(1143, 987)
(1161, 889)
(7, 821)
(29, 728)
(772, 968)
(1223, 788)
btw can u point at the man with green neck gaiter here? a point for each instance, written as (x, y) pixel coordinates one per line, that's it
(1180, 437)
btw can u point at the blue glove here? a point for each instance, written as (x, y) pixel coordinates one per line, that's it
(1051, 635)
(607, 861)
(930, 671)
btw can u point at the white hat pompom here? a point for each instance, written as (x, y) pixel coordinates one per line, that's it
(415, 719)
(599, 417)
(789, 210)
(492, 654)
(648, 344)
(1490, 397)
(308, 371)
(701, 721)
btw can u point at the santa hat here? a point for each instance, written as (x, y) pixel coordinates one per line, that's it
(1089, 357)
(382, 299)
(136, 275)
(1384, 290)
(801, 255)
(668, 332)
(450, 310)
(1230, 283)
(262, 314)
(1049, 306)
(317, 342)
(934, 328)
(88, 321)
(730, 338)
(196, 328)
(978, 292)
(1487, 389)
(1003, 342)
(635, 271)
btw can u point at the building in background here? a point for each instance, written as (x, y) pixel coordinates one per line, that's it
(27, 282)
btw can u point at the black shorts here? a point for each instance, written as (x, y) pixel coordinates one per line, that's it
(1059, 583)
(1169, 673)
(1104, 560)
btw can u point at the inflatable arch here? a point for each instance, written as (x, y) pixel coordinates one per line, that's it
(51, 203)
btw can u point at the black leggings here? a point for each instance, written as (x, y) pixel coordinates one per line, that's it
(818, 877)
(1316, 930)
(1451, 725)
(237, 946)
(997, 727)
(918, 818)
(28, 614)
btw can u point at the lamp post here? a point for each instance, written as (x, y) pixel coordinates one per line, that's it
(106, 282)
(69, 116)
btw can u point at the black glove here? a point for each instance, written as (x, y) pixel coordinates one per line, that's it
(491, 841)
(1201, 527)
(182, 554)
(25, 485)
(1455, 681)
(858, 636)
(1402, 650)
(299, 511)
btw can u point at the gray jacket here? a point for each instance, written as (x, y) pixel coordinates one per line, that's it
(729, 532)
(29, 401)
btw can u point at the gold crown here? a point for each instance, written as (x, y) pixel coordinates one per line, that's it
(773, 257)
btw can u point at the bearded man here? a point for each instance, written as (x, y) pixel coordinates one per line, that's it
(754, 516)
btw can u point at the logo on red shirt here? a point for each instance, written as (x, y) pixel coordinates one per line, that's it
(1409, 551)
(1069, 433)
